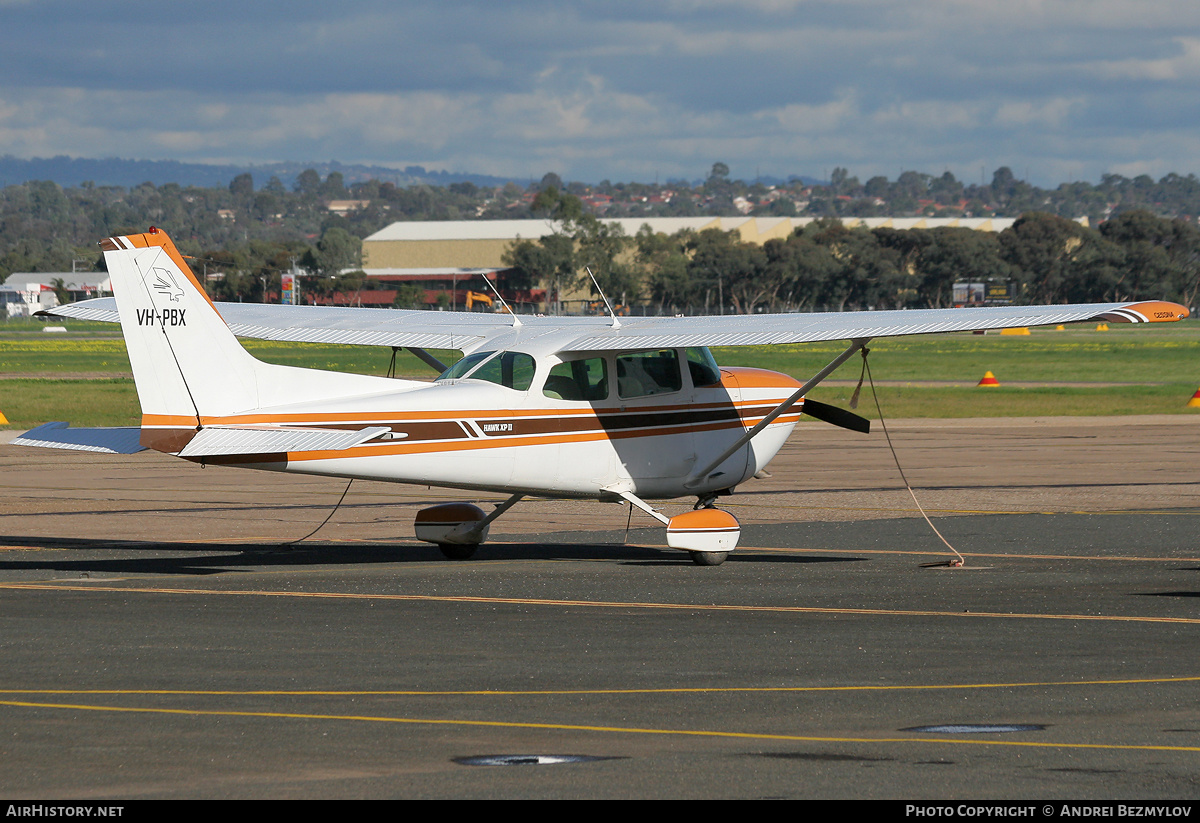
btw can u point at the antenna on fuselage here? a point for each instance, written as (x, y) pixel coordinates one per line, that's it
(495, 291)
(616, 324)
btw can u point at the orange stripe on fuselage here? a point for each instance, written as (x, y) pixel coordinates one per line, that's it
(361, 418)
(595, 433)
(391, 448)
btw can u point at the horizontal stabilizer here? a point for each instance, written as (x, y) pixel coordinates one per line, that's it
(122, 440)
(217, 440)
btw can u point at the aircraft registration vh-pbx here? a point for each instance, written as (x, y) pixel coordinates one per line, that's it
(603, 408)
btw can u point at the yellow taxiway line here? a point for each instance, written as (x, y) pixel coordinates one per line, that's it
(1040, 684)
(601, 604)
(501, 724)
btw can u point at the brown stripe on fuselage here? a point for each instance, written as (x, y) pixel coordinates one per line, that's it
(379, 449)
(384, 418)
(501, 428)
(383, 449)
(611, 422)
(440, 426)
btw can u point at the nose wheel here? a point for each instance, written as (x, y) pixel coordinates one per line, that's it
(707, 534)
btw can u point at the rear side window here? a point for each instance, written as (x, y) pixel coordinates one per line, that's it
(578, 380)
(646, 373)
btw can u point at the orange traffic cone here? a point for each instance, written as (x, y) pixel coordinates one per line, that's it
(1102, 327)
(4, 420)
(1193, 403)
(989, 379)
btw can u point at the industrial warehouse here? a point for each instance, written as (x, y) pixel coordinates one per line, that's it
(448, 258)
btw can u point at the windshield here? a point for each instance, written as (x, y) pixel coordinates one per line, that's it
(511, 369)
(462, 367)
(703, 367)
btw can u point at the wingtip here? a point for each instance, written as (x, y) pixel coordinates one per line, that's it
(1146, 311)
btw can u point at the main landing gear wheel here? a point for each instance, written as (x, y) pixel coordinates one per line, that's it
(458, 551)
(708, 558)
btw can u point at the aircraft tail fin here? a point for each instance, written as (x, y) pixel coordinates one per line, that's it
(186, 362)
(188, 366)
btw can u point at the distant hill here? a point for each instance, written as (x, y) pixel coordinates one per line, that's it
(113, 171)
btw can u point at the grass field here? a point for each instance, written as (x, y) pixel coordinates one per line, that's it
(1124, 354)
(31, 402)
(1163, 361)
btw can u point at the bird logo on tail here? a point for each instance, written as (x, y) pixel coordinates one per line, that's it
(166, 284)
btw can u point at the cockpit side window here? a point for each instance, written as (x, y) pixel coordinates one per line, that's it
(578, 380)
(512, 369)
(703, 367)
(645, 373)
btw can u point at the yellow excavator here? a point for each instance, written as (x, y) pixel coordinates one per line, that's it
(474, 297)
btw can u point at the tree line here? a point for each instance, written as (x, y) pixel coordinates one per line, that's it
(248, 235)
(825, 266)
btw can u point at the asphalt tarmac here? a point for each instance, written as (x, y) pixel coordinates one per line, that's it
(163, 637)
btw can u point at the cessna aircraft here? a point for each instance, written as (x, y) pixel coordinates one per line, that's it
(603, 408)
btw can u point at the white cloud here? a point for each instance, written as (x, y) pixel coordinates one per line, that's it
(798, 118)
(1053, 113)
(947, 114)
(1184, 65)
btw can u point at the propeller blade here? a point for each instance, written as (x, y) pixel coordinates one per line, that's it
(836, 416)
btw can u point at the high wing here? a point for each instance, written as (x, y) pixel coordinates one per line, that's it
(470, 331)
(463, 331)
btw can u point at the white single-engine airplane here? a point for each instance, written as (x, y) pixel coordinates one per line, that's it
(559, 407)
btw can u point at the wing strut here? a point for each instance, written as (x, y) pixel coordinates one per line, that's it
(426, 358)
(698, 477)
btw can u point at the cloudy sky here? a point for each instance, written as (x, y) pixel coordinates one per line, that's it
(1055, 89)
